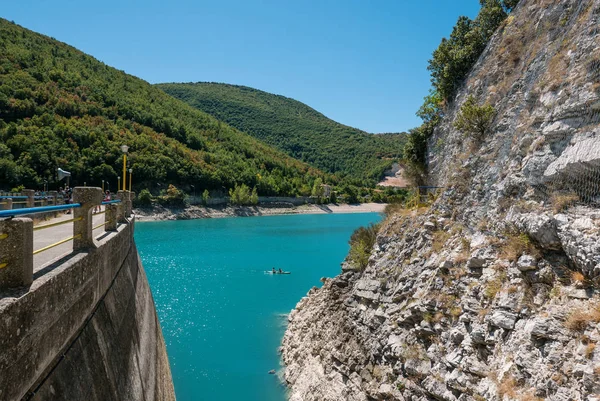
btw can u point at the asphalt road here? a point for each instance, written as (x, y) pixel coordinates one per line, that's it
(47, 236)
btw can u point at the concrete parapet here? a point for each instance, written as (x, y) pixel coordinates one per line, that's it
(88, 197)
(53, 196)
(7, 204)
(16, 252)
(122, 211)
(29, 193)
(128, 208)
(111, 217)
(37, 324)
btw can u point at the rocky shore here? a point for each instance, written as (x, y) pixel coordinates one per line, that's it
(157, 213)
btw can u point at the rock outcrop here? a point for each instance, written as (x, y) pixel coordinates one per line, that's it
(491, 292)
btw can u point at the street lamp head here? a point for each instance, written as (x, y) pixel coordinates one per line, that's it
(124, 148)
(130, 170)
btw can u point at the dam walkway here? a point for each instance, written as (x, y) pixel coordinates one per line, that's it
(77, 317)
(33, 237)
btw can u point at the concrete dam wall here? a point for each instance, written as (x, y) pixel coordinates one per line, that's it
(86, 329)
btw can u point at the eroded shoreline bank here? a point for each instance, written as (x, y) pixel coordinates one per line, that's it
(160, 213)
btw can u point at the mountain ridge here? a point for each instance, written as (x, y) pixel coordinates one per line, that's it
(295, 128)
(60, 107)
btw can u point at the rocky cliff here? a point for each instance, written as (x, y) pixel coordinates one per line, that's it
(490, 292)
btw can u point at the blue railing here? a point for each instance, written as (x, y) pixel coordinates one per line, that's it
(41, 209)
(42, 197)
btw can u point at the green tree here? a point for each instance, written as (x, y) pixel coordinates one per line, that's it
(254, 197)
(205, 197)
(454, 57)
(351, 194)
(509, 5)
(317, 189)
(473, 119)
(173, 197)
(144, 198)
(242, 195)
(361, 245)
(431, 110)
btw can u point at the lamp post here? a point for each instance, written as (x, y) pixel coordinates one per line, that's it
(118, 183)
(130, 172)
(124, 149)
(102, 186)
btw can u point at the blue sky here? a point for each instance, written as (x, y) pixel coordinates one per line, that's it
(360, 62)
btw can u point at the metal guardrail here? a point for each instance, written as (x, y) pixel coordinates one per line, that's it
(40, 209)
(17, 259)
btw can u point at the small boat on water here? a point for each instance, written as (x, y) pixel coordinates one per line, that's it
(276, 272)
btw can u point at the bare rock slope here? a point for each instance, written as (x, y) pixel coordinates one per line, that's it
(490, 292)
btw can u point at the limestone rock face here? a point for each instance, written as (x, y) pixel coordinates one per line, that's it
(506, 305)
(576, 157)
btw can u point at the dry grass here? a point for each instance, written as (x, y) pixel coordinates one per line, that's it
(456, 312)
(561, 201)
(465, 246)
(556, 291)
(579, 319)
(508, 386)
(512, 289)
(492, 288)
(537, 144)
(439, 240)
(377, 372)
(394, 208)
(517, 245)
(589, 350)
(530, 396)
(461, 258)
(578, 279)
(484, 224)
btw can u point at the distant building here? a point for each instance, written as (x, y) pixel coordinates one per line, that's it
(326, 190)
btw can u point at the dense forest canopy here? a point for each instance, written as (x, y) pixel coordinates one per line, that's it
(296, 129)
(62, 108)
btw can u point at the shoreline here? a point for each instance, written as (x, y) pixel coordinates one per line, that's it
(161, 213)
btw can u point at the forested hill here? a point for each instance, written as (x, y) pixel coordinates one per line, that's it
(295, 128)
(62, 108)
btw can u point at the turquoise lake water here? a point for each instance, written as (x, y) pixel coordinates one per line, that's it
(222, 317)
